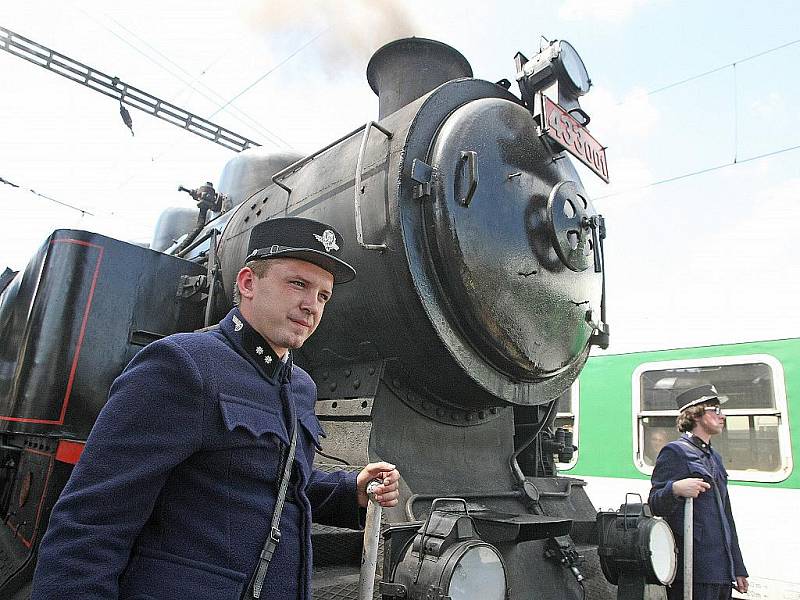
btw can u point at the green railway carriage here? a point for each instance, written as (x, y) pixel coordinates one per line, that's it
(622, 410)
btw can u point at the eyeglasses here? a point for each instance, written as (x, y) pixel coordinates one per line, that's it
(717, 409)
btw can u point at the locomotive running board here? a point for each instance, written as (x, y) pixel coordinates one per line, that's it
(497, 527)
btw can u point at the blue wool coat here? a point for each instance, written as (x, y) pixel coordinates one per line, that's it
(174, 493)
(717, 557)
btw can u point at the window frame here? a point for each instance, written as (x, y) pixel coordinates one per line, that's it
(575, 414)
(780, 411)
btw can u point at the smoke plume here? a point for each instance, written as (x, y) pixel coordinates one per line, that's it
(351, 29)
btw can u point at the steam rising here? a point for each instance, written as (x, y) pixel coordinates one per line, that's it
(351, 29)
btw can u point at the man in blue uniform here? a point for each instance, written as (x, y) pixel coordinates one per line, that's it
(690, 468)
(176, 489)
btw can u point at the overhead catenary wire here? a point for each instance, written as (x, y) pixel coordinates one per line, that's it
(735, 116)
(241, 93)
(195, 79)
(735, 160)
(83, 211)
(245, 119)
(721, 68)
(217, 98)
(699, 172)
(276, 67)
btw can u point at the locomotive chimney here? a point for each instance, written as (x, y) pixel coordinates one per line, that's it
(406, 69)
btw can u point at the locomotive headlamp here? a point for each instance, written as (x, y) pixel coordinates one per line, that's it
(558, 63)
(447, 559)
(635, 544)
(570, 69)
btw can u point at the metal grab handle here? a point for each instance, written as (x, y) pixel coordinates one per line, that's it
(296, 165)
(625, 509)
(212, 272)
(372, 535)
(471, 158)
(357, 187)
(688, 547)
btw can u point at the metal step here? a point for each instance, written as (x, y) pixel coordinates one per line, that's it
(336, 583)
(337, 556)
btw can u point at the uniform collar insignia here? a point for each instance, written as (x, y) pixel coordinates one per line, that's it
(328, 240)
(696, 441)
(255, 347)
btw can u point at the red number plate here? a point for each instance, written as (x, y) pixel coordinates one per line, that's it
(562, 128)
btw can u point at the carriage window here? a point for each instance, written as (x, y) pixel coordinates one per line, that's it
(755, 441)
(567, 418)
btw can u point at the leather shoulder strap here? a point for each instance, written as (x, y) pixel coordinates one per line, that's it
(274, 536)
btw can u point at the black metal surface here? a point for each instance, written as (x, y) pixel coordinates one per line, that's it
(334, 546)
(444, 460)
(594, 582)
(337, 584)
(323, 189)
(348, 380)
(6, 278)
(40, 478)
(496, 527)
(403, 309)
(407, 69)
(568, 216)
(29, 495)
(472, 355)
(250, 171)
(73, 321)
(441, 410)
(493, 261)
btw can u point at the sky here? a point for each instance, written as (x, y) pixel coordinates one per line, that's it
(695, 101)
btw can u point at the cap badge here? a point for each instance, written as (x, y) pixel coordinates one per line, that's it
(327, 239)
(237, 324)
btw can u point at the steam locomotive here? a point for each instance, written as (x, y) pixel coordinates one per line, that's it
(480, 293)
